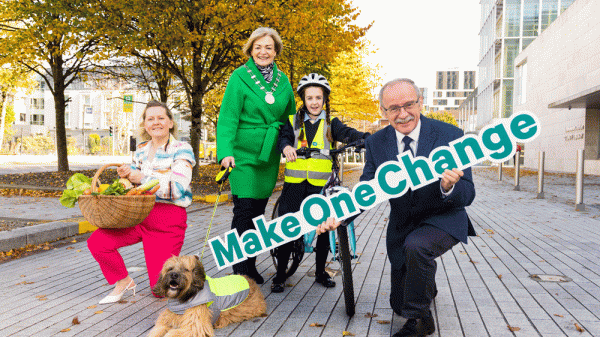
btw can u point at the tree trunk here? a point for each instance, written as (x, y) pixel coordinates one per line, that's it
(56, 64)
(196, 109)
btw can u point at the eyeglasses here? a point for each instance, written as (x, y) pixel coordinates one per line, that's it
(409, 107)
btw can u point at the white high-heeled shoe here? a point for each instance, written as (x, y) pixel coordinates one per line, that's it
(117, 297)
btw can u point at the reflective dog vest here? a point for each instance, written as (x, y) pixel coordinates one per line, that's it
(317, 168)
(220, 294)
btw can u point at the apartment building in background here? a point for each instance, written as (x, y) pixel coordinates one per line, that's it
(507, 28)
(93, 107)
(452, 87)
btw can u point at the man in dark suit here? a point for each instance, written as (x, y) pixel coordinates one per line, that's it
(424, 223)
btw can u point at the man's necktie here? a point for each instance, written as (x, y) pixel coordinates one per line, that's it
(407, 140)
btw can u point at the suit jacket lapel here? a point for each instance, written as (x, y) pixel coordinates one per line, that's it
(427, 138)
(391, 151)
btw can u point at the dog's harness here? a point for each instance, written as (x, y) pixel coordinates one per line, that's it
(221, 294)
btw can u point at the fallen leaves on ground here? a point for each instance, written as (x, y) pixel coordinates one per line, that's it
(92, 306)
(383, 322)
(318, 325)
(65, 330)
(579, 328)
(557, 315)
(370, 315)
(513, 328)
(75, 321)
(24, 282)
(347, 333)
(99, 312)
(23, 251)
(500, 276)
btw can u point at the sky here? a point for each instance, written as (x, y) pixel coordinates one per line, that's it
(416, 38)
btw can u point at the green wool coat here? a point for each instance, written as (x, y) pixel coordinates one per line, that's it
(248, 128)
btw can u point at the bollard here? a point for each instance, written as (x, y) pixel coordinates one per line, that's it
(540, 188)
(517, 170)
(579, 206)
(499, 171)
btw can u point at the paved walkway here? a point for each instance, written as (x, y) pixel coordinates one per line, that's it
(485, 288)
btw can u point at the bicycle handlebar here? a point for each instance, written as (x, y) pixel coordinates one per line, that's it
(357, 145)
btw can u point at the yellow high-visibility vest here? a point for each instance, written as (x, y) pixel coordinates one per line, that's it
(317, 168)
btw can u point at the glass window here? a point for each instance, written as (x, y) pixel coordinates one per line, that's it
(67, 119)
(564, 4)
(36, 119)
(36, 103)
(507, 98)
(531, 9)
(469, 80)
(440, 102)
(549, 12)
(513, 18)
(452, 80)
(440, 80)
(458, 101)
(511, 49)
(521, 84)
(22, 117)
(526, 42)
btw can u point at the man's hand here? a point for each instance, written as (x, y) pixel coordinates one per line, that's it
(449, 178)
(290, 154)
(329, 225)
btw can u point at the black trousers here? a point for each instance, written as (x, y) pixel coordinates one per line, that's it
(244, 210)
(290, 201)
(413, 283)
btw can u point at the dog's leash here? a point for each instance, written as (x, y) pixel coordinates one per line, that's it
(221, 178)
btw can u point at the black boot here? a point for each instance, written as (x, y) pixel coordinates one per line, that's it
(417, 327)
(252, 272)
(324, 278)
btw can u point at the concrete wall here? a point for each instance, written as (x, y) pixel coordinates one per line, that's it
(564, 61)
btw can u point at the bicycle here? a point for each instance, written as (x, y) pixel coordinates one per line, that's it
(346, 234)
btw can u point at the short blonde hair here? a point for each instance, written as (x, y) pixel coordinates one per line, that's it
(154, 103)
(260, 33)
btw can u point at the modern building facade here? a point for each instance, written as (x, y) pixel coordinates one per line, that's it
(451, 88)
(557, 77)
(467, 113)
(94, 107)
(507, 28)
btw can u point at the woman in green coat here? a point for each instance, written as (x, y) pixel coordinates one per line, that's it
(257, 101)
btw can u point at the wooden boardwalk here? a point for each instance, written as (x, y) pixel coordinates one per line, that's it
(485, 288)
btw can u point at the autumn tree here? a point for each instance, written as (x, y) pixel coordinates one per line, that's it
(443, 116)
(354, 83)
(200, 42)
(55, 40)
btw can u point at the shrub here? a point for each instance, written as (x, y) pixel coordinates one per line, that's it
(37, 145)
(94, 144)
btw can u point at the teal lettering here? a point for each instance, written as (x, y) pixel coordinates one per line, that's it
(503, 142)
(364, 195)
(461, 149)
(233, 251)
(521, 122)
(336, 201)
(252, 242)
(385, 187)
(290, 226)
(318, 201)
(412, 166)
(443, 160)
(267, 234)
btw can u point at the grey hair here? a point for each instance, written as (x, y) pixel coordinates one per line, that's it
(398, 81)
(260, 33)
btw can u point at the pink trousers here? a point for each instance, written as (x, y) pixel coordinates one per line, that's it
(161, 233)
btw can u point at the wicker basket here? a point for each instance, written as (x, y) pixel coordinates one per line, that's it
(114, 211)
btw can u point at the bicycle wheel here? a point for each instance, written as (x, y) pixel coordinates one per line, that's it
(346, 270)
(297, 250)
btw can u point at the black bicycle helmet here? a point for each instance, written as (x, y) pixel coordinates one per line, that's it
(313, 79)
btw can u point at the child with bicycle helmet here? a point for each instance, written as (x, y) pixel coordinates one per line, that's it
(313, 127)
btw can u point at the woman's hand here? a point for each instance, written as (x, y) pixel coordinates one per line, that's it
(329, 225)
(136, 177)
(228, 162)
(124, 170)
(290, 154)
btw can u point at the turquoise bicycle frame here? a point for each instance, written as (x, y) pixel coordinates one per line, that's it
(310, 237)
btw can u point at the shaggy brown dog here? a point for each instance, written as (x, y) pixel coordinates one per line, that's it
(181, 279)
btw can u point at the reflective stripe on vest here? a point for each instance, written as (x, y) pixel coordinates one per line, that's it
(316, 169)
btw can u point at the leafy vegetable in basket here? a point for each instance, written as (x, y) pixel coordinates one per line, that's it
(116, 188)
(150, 185)
(76, 185)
